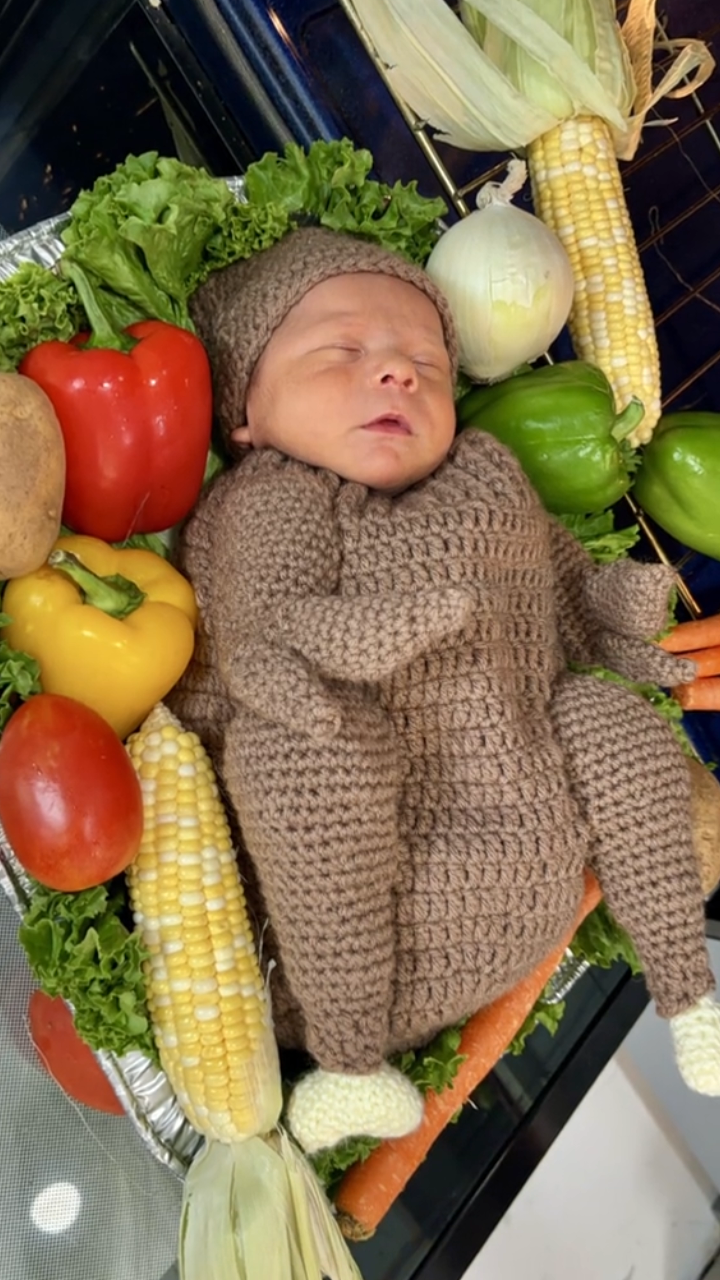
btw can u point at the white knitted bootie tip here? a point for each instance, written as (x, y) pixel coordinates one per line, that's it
(696, 1038)
(326, 1107)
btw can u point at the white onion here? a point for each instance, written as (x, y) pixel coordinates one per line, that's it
(508, 281)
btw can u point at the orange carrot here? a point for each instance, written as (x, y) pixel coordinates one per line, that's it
(699, 695)
(369, 1189)
(703, 633)
(707, 661)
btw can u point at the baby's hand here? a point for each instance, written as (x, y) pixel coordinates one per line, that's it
(696, 1037)
(327, 1106)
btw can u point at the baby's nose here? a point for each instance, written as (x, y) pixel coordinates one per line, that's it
(397, 370)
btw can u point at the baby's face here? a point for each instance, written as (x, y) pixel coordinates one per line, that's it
(357, 380)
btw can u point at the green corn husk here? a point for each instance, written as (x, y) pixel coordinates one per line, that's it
(504, 72)
(567, 58)
(255, 1210)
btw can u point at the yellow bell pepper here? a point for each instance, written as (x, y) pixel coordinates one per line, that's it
(114, 629)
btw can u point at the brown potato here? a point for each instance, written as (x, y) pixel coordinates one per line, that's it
(32, 475)
(705, 814)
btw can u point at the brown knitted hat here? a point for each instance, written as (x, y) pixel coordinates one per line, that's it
(239, 308)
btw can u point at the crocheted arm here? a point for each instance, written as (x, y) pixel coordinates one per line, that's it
(367, 638)
(607, 615)
(281, 628)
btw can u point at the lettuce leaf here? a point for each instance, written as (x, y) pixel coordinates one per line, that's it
(79, 947)
(331, 1164)
(245, 230)
(329, 184)
(140, 233)
(19, 677)
(544, 1013)
(304, 181)
(158, 543)
(602, 942)
(433, 1067)
(35, 306)
(597, 533)
(145, 236)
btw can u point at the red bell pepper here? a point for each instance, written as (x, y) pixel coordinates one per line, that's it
(136, 425)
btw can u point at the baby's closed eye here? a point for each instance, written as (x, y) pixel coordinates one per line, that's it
(339, 351)
(433, 365)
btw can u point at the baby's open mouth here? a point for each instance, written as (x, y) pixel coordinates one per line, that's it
(393, 424)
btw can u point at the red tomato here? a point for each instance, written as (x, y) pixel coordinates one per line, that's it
(70, 800)
(66, 1057)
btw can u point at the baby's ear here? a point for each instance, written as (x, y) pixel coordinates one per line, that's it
(241, 435)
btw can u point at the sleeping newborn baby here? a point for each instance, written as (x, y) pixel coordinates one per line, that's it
(388, 614)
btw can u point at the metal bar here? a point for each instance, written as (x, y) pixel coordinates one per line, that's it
(493, 171)
(712, 194)
(709, 364)
(704, 120)
(414, 124)
(693, 291)
(675, 136)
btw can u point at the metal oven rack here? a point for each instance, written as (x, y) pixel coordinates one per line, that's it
(672, 188)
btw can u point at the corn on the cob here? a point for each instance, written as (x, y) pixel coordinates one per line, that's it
(206, 995)
(577, 191)
(253, 1208)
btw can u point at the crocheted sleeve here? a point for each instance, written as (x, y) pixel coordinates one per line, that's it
(279, 525)
(607, 615)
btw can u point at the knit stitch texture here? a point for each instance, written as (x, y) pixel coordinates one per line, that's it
(418, 780)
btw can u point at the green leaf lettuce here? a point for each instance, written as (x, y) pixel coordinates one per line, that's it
(599, 537)
(79, 947)
(36, 306)
(19, 677)
(145, 236)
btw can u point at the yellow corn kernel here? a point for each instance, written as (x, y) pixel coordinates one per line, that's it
(206, 994)
(577, 191)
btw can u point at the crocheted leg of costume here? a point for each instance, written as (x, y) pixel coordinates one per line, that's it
(320, 824)
(327, 1107)
(631, 782)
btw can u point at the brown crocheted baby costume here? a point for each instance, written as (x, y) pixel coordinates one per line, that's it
(418, 779)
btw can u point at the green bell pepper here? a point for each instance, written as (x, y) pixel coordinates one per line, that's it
(560, 422)
(678, 483)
